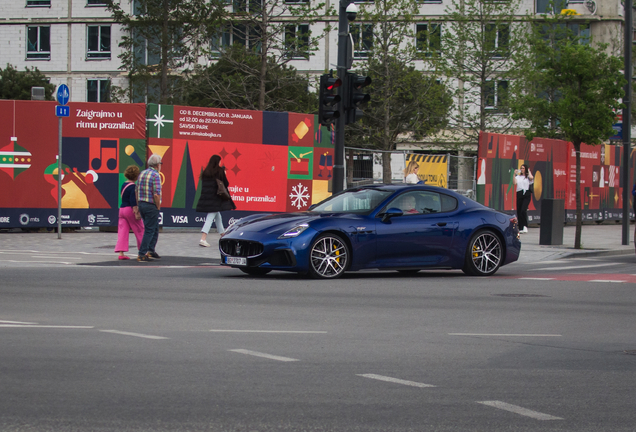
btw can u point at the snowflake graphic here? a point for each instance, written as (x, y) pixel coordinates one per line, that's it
(299, 196)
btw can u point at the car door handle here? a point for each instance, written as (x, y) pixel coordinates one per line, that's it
(441, 223)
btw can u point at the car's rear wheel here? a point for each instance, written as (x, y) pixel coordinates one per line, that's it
(484, 254)
(255, 271)
(329, 257)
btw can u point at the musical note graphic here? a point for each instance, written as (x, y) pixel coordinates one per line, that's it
(130, 151)
(111, 147)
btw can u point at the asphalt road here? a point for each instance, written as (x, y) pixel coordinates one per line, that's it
(197, 347)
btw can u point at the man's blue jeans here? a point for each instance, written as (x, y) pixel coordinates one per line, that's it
(150, 214)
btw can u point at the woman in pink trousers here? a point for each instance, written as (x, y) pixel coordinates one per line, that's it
(129, 217)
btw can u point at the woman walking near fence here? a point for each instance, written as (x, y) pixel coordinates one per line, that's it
(209, 201)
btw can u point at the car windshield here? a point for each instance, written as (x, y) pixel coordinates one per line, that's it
(361, 201)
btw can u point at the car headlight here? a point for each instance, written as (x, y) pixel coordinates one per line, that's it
(295, 231)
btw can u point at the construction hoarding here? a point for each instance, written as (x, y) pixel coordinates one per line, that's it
(553, 164)
(99, 142)
(275, 162)
(433, 169)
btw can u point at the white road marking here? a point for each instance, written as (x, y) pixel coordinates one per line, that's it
(6, 251)
(536, 278)
(395, 380)
(15, 322)
(266, 331)
(133, 334)
(519, 410)
(267, 356)
(607, 280)
(55, 257)
(505, 334)
(45, 326)
(44, 262)
(577, 267)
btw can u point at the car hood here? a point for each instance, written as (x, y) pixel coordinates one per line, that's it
(280, 223)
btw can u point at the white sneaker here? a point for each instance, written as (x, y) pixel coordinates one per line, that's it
(204, 243)
(524, 230)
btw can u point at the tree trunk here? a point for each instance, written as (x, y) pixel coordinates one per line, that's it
(163, 92)
(264, 52)
(386, 168)
(579, 221)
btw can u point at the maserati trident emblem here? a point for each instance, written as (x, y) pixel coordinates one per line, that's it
(238, 248)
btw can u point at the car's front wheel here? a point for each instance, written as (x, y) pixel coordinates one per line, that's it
(484, 254)
(329, 257)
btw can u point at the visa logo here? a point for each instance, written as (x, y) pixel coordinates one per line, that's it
(180, 219)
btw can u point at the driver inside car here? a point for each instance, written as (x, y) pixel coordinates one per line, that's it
(407, 205)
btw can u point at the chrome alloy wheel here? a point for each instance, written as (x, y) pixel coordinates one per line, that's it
(486, 254)
(329, 257)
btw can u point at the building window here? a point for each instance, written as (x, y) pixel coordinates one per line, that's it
(429, 38)
(296, 1)
(297, 41)
(496, 95)
(38, 3)
(550, 6)
(98, 42)
(39, 42)
(246, 35)
(98, 90)
(497, 39)
(362, 35)
(247, 6)
(95, 2)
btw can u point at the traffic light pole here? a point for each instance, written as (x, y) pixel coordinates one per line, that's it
(627, 120)
(343, 44)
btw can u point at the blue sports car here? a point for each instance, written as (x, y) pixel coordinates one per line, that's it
(387, 227)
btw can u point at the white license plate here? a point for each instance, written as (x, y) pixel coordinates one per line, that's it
(236, 260)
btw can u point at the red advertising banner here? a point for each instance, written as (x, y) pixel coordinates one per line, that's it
(275, 162)
(98, 142)
(553, 164)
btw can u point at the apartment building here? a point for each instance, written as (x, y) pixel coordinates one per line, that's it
(75, 42)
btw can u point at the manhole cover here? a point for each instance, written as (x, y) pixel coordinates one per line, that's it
(630, 352)
(520, 295)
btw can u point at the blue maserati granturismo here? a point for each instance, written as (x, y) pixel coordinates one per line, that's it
(388, 227)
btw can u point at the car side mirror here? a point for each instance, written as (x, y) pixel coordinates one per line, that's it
(392, 212)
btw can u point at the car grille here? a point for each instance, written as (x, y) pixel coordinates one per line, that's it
(241, 248)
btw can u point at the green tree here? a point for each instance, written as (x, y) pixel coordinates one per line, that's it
(16, 85)
(480, 42)
(406, 104)
(276, 33)
(572, 92)
(163, 37)
(230, 84)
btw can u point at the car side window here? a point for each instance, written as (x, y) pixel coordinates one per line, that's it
(448, 203)
(423, 202)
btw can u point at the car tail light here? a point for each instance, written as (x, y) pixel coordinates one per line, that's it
(515, 226)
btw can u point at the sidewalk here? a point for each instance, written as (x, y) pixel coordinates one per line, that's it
(596, 240)
(94, 246)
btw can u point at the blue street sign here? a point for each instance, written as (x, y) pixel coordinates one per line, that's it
(63, 94)
(62, 110)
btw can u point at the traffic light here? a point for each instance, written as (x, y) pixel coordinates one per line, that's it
(328, 100)
(355, 98)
